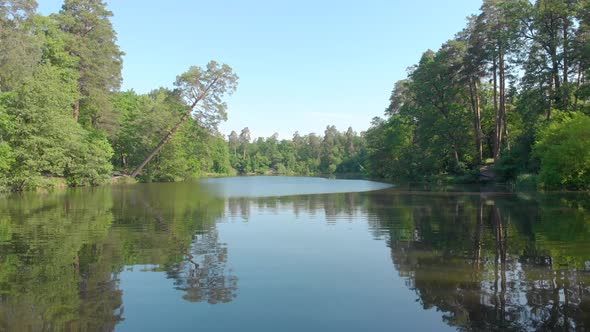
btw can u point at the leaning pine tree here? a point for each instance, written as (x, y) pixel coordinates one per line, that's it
(202, 91)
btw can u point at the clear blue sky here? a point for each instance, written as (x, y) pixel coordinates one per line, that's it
(302, 64)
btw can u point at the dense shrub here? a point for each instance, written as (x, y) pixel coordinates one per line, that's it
(563, 148)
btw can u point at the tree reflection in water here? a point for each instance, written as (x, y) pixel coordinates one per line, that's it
(187, 223)
(486, 261)
(61, 254)
(492, 262)
(204, 274)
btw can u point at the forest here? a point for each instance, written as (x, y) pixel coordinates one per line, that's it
(336, 152)
(64, 120)
(507, 95)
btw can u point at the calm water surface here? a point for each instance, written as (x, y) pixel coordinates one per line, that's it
(293, 254)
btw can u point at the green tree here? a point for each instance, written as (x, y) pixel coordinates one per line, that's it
(21, 46)
(92, 39)
(201, 90)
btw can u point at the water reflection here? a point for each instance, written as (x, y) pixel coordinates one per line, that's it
(203, 275)
(61, 254)
(484, 261)
(493, 262)
(55, 263)
(334, 207)
(273, 186)
(487, 261)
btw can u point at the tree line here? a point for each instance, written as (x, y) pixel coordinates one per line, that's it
(333, 153)
(509, 92)
(64, 120)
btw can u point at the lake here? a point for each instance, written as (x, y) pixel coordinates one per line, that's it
(294, 254)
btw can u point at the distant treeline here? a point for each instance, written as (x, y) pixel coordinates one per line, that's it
(333, 153)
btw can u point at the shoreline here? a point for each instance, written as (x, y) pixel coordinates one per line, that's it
(432, 184)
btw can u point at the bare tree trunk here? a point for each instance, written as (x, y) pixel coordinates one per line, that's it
(578, 82)
(498, 114)
(551, 84)
(504, 123)
(506, 133)
(474, 94)
(566, 97)
(556, 84)
(565, 53)
(76, 110)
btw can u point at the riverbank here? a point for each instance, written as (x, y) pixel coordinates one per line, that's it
(442, 182)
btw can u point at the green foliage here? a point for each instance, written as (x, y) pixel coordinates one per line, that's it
(90, 38)
(497, 90)
(202, 89)
(334, 153)
(564, 153)
(90, 165)
(6, 163)
(390, 149)
(40, 142)
(487, 93)
(21, 47)
(6, 158)
(41, 132)
(193, 152)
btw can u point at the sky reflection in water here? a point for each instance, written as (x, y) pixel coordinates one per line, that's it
(176, 256)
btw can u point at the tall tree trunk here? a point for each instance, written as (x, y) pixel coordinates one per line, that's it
(550, 99)
(506, 133)
(171, 133)
(456, 155)
(565, 54)
(578, 83)
(557, 97)
(566, 97)
(497, 114)
(504, 119)
(474, 94)
(76, 110)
